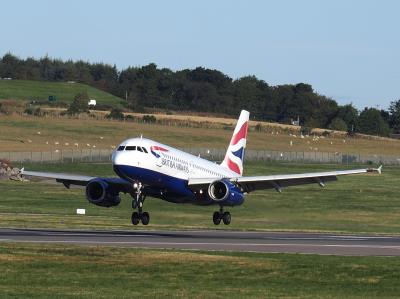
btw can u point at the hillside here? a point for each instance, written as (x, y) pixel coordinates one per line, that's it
(24, 133)
(41, 90)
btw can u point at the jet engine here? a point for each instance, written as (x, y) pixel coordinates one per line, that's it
(225, 193)
(100, 193)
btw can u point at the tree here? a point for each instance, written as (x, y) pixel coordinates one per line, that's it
(371, 122)
(394, 116)
(338, 124)
(350, 116)
(79, 105)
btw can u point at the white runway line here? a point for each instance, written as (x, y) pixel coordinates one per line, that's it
(211, 244)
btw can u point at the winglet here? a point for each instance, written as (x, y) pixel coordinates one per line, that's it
(378, 170)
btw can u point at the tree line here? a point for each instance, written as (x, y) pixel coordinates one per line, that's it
(207, 90)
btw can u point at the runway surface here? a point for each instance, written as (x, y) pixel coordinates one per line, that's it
(284, 242)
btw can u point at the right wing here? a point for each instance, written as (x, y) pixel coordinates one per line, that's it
(278, 182)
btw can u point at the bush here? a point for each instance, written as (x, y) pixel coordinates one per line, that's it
(326, 133)
(33, 111)
(4, 163)
(149, 118)
(130, 118)
(306, 130)
(115, 113)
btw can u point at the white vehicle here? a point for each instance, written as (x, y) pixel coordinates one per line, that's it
(148, 168)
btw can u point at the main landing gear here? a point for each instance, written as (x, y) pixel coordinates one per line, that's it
(137, 203)
(221, 215)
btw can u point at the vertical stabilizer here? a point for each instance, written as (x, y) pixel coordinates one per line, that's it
(235, 154)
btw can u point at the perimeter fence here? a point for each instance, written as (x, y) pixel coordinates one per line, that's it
(104, 155)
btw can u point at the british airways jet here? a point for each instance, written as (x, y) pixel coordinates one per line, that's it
(148, 168)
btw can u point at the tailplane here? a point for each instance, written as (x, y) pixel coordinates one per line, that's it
(235, 154)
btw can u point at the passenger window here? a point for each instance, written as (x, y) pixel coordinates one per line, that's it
(139, 149)
(121, 148)
(130, 148)
(145, 150)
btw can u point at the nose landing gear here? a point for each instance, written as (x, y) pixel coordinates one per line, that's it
(137, 203)
(221, 215)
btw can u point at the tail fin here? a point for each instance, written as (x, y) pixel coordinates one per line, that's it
(235, 154)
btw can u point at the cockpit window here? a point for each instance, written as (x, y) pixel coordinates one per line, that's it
(139, 149)
(130, 148)
(121, 148)
(145, 150)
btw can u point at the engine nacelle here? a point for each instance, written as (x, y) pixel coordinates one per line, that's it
(100, 193)
(225, 193)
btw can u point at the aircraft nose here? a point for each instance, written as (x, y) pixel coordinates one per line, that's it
(116, 158)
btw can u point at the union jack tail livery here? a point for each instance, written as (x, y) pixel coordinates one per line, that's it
(235, 153)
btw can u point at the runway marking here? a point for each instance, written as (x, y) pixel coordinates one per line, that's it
(208, 244)
(150, 235)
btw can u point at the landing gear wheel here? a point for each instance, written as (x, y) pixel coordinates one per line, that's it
(226, 218)
(217, 218)
(138, 197)
(135, 218)
(145, 217)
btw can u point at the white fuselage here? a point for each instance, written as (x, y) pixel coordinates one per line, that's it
(146, 154)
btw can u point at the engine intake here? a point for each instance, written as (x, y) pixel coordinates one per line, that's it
(225, 193)
(218, 190)
(100, 193)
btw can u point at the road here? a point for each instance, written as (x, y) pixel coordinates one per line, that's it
(284, 242)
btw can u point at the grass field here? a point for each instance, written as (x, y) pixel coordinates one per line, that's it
(66, 271)
(361, 203)
(40, 91)
(22, 134)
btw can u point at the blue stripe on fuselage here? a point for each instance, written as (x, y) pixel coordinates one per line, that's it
(155, 179)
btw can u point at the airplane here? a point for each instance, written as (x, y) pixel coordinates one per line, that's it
(148, 168)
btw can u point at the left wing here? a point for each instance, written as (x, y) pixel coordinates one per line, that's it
(277, 182)
(80, 180)
(69, 179)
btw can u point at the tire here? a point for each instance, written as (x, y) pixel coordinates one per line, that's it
(145, 217)
(216, 218)
(226, 217)
(135, 218)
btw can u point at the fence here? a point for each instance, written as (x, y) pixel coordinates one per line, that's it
(63, 156)
(98, 155)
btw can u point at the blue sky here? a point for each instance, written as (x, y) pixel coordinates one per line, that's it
(348, 50)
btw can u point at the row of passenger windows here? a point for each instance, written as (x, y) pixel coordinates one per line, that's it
(207, 170)
(144, 150)
(132, 148)
(175, 159)
(192, 165)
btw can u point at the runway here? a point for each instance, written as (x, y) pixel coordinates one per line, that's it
(282, 242)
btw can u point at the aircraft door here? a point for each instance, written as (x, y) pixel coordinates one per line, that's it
(159, 161)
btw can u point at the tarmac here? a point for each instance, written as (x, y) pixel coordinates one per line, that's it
(216, 240)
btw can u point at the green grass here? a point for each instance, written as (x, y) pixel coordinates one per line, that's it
(66, 271)
(359, 204)
(40, 90)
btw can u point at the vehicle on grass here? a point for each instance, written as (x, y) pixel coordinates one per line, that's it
(148, 168)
